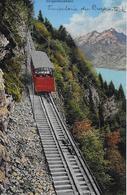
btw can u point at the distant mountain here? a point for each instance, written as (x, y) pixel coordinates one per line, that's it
(106, 49)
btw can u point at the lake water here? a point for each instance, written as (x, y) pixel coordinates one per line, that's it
(117, 76)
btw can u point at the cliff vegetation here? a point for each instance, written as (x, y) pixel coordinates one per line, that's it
(15, 18)
(95, 111)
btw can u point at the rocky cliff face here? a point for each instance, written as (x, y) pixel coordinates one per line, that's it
(14, 19)
(22, 163)
(5, 108)
(3, 43)
(108, 104)
(106, 49)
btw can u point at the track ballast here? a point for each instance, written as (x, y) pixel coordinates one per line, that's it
(69, 173)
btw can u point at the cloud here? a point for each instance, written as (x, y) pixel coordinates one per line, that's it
(81, 23)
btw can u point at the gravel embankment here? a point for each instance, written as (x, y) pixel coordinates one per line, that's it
(28, 173)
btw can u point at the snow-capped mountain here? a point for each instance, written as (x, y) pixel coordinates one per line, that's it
(105, 49)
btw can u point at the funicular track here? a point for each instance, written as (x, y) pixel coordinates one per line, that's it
(69, 173)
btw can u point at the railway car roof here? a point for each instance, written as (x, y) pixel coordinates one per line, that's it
(40, 59)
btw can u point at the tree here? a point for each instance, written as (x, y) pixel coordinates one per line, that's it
(62, 33)
(101, 115)
(105, 87)
(111, 90)
(41, 32)
(122, 144)
(65, 36)
(92, 148)
(93, 114)
(101, 81)
(70, 41)
(117, 162)
(40, 17)
(49, 26)
(120, 93)
(55, 33)
(117, 170)
(124, 104)
(81, 127)
(113, 138)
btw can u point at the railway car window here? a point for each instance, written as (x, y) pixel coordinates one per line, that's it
(44, 71)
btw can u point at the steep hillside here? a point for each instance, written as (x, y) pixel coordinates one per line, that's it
(95, 111)
(106, 49)
(15, 18)
(22, 162)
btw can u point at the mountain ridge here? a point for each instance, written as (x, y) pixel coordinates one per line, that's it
(105, 49)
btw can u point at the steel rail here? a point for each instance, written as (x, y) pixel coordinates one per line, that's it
(81, 159)
(79, 174)
(74, 187)
(70, 172)
(61, 179)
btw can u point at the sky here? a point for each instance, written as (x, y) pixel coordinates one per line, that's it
(83, 16)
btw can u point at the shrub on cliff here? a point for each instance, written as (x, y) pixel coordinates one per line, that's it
(13, 83)
(75, 79)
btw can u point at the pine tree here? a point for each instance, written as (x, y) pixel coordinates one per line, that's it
(40, 17)
(111, 90)
(49, 26)
(62, 33)
(120, 93)
(124, 104)
(70, 41)
(93, 115)
(101, 116)
(101, 80)
(65, 36)
(105, 85)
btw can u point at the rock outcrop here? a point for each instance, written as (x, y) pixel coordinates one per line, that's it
(5, 108)
(110, 108)
(3, 43)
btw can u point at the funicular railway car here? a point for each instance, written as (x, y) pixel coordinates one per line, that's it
(42, 72)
